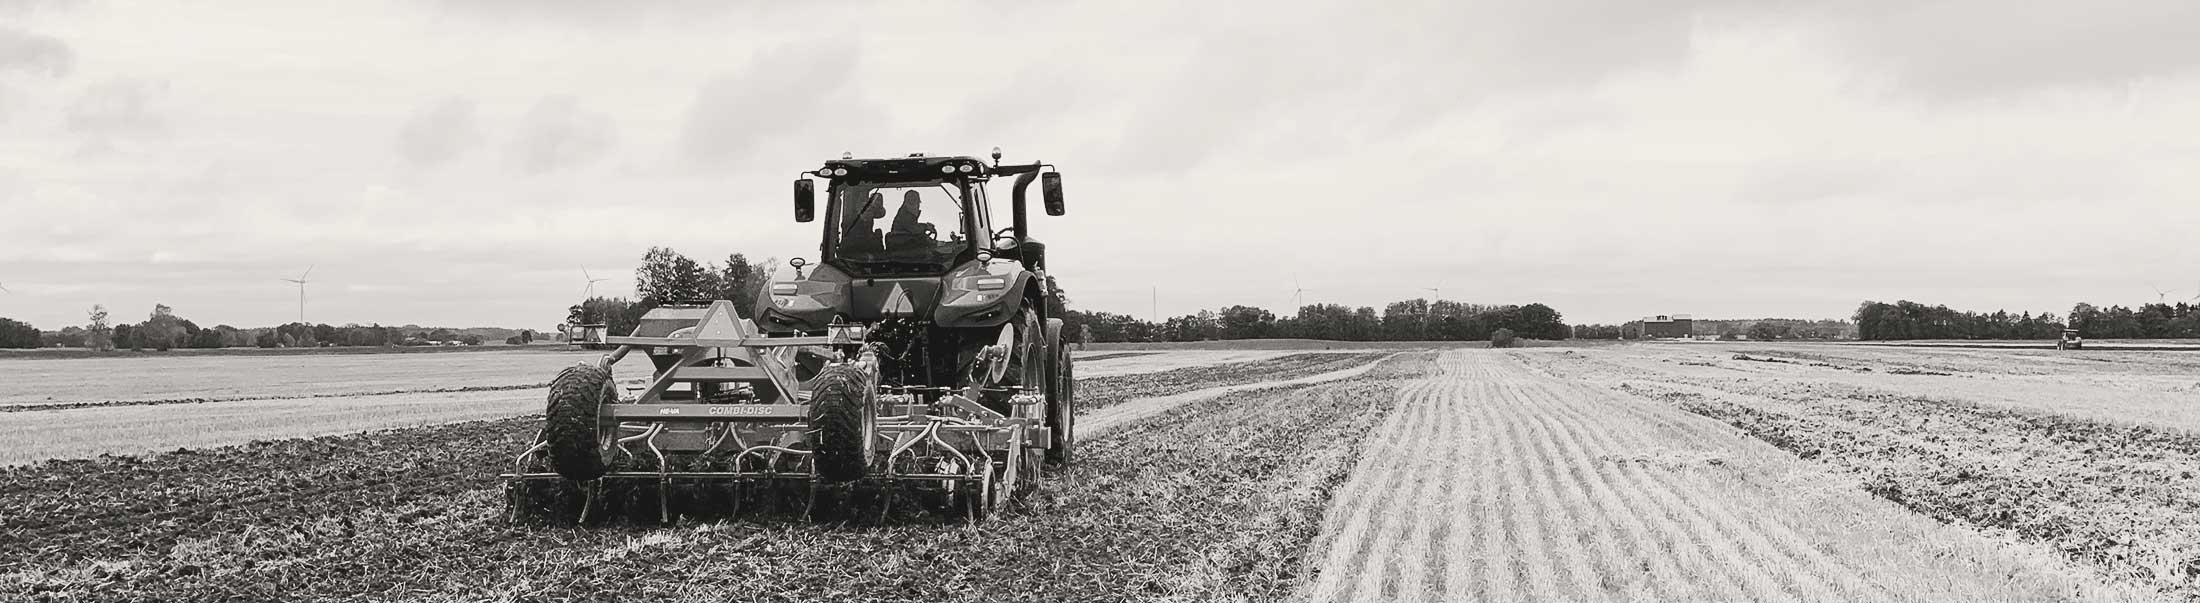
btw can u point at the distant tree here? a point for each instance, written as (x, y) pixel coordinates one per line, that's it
(618, 315)
(1408, 320)
(98, 335)
(470, 339)
(16, 334)
(127, 336)
(1538, 321)
(68, 337)
(161, 330)
(740, 281)
(665, 276)
(1504, 338)
(1769, 330)
(1597, 331)
(1246, 322)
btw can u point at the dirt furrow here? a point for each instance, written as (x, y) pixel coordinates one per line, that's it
(1765, 573)
(1357, 517)
(1662, 578)
(1803, 570)
(1402, 578)
(1497, 482)
(1529, 546)
(1582, 534)
(1812, 572)
(1469, 566)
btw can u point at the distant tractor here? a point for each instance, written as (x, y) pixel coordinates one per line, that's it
(921, 358)
(2070, 340)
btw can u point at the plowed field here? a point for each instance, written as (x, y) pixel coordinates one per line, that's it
(1614, 473)
(1498, 481)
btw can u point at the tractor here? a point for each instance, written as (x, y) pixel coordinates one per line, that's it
(2070, 340)
(921, 357)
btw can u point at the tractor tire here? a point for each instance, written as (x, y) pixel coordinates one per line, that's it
(1026, 333)
(839, 408)
(1062, 409)
(1025, 367)
(570, 423)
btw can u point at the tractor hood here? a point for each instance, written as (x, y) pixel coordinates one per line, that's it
(973, 294)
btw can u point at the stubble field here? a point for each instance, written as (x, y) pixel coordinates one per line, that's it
(1609, 473)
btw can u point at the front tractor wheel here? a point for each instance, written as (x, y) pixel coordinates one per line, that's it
(841, 410)
(570, 427)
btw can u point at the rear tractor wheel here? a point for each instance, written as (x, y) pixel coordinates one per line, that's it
(1061, 405)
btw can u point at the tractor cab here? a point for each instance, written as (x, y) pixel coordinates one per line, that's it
(2070, 340)
(915, 238)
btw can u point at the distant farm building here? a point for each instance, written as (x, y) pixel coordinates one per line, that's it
(1663, 326)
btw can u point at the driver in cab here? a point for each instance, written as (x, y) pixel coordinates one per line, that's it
(862, 232)
(908, 234)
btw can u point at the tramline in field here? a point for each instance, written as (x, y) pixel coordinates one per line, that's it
(919, 361)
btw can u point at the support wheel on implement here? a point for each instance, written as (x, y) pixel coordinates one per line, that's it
(840, 409)
(571, 428)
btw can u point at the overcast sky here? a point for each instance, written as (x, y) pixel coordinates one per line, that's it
(458, 163)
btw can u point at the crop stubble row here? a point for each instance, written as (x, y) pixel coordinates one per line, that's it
(1493, 482)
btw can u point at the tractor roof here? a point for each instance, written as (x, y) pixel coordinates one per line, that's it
(907, 168)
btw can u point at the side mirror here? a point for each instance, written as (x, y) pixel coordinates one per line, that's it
(1050, 191)
(805, 200)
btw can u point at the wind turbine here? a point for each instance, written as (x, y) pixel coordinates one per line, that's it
(1430, 311)
(301, 280)
(1298, 293)
(2160, 296)
(590, 292)
(4, 289)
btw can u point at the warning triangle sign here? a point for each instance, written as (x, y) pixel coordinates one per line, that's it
(897, 302)
(720, 323)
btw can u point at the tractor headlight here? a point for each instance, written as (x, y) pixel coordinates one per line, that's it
(947, 169)
(990, 283)
(783, 288)
(840, 171)
(966, 168)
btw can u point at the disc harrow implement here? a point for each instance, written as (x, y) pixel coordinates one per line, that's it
(729, 425)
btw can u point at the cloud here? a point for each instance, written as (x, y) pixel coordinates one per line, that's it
(1264, 85)
(557, 134)
(785, 92)
(1977, 49)
(439, 132)
(117, 110)
(584, 12)
(35, 54)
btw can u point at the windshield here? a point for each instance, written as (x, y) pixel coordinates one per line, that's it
(918, 224)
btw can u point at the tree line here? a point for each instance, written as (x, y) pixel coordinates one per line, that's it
(1732, 329)
(1911, 320)
(666, 276)
(164, 330)
(1404, 320)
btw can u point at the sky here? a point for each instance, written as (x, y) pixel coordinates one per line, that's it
(460, 163)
